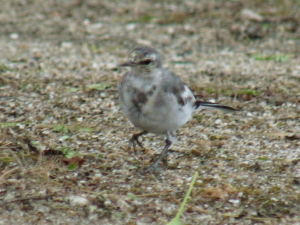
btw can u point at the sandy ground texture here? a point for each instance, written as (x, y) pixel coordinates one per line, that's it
(64, 150)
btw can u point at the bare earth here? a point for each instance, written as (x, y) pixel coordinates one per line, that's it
(59, 110)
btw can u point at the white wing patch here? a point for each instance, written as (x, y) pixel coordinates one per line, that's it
(188, 95)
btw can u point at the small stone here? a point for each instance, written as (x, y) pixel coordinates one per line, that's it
(80, 119)
(234, 201)
(189, 179)
(111, 66)
(218, 121)
(248, 14)
(97, 25)
(14, 36)
(12, 181)
(130, 26)
(66, 44)
(78, 201)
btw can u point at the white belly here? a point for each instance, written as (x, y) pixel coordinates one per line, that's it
(161, 114)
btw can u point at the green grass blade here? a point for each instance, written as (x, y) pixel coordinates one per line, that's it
(176, 221)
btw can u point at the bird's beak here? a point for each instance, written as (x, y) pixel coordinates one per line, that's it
(128, 63)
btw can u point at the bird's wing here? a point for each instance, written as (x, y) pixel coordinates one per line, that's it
(172, 84)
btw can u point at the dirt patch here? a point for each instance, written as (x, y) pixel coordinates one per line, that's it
(58, 99)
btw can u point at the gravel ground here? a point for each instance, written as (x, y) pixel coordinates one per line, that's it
(64, 151)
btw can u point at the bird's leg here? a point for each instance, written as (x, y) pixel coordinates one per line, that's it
(135, 139)
(165, 150)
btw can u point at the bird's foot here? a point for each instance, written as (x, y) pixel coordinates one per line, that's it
(135, 140)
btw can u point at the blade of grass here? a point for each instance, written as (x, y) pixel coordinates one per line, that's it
(176, 221)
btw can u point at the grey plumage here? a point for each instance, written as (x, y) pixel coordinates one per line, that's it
(154, 99)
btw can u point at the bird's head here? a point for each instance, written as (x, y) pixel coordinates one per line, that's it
(143, 59)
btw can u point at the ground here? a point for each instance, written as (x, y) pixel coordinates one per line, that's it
(64, 150)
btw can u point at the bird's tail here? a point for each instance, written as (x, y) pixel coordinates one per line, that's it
(208, 105)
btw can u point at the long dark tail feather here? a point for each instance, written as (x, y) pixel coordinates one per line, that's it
(209, 105)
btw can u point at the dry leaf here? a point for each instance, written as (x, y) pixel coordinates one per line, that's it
(75, 160)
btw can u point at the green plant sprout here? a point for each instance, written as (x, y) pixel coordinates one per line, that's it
(176, 221)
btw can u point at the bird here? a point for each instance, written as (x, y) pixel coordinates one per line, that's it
(155, 100)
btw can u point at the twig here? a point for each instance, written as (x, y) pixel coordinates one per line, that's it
(154, 194)
(27, 198)
(260, 218)
(9, 172)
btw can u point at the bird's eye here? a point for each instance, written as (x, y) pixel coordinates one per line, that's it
(146, 62)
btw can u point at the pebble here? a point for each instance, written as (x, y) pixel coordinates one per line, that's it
(78, 201)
